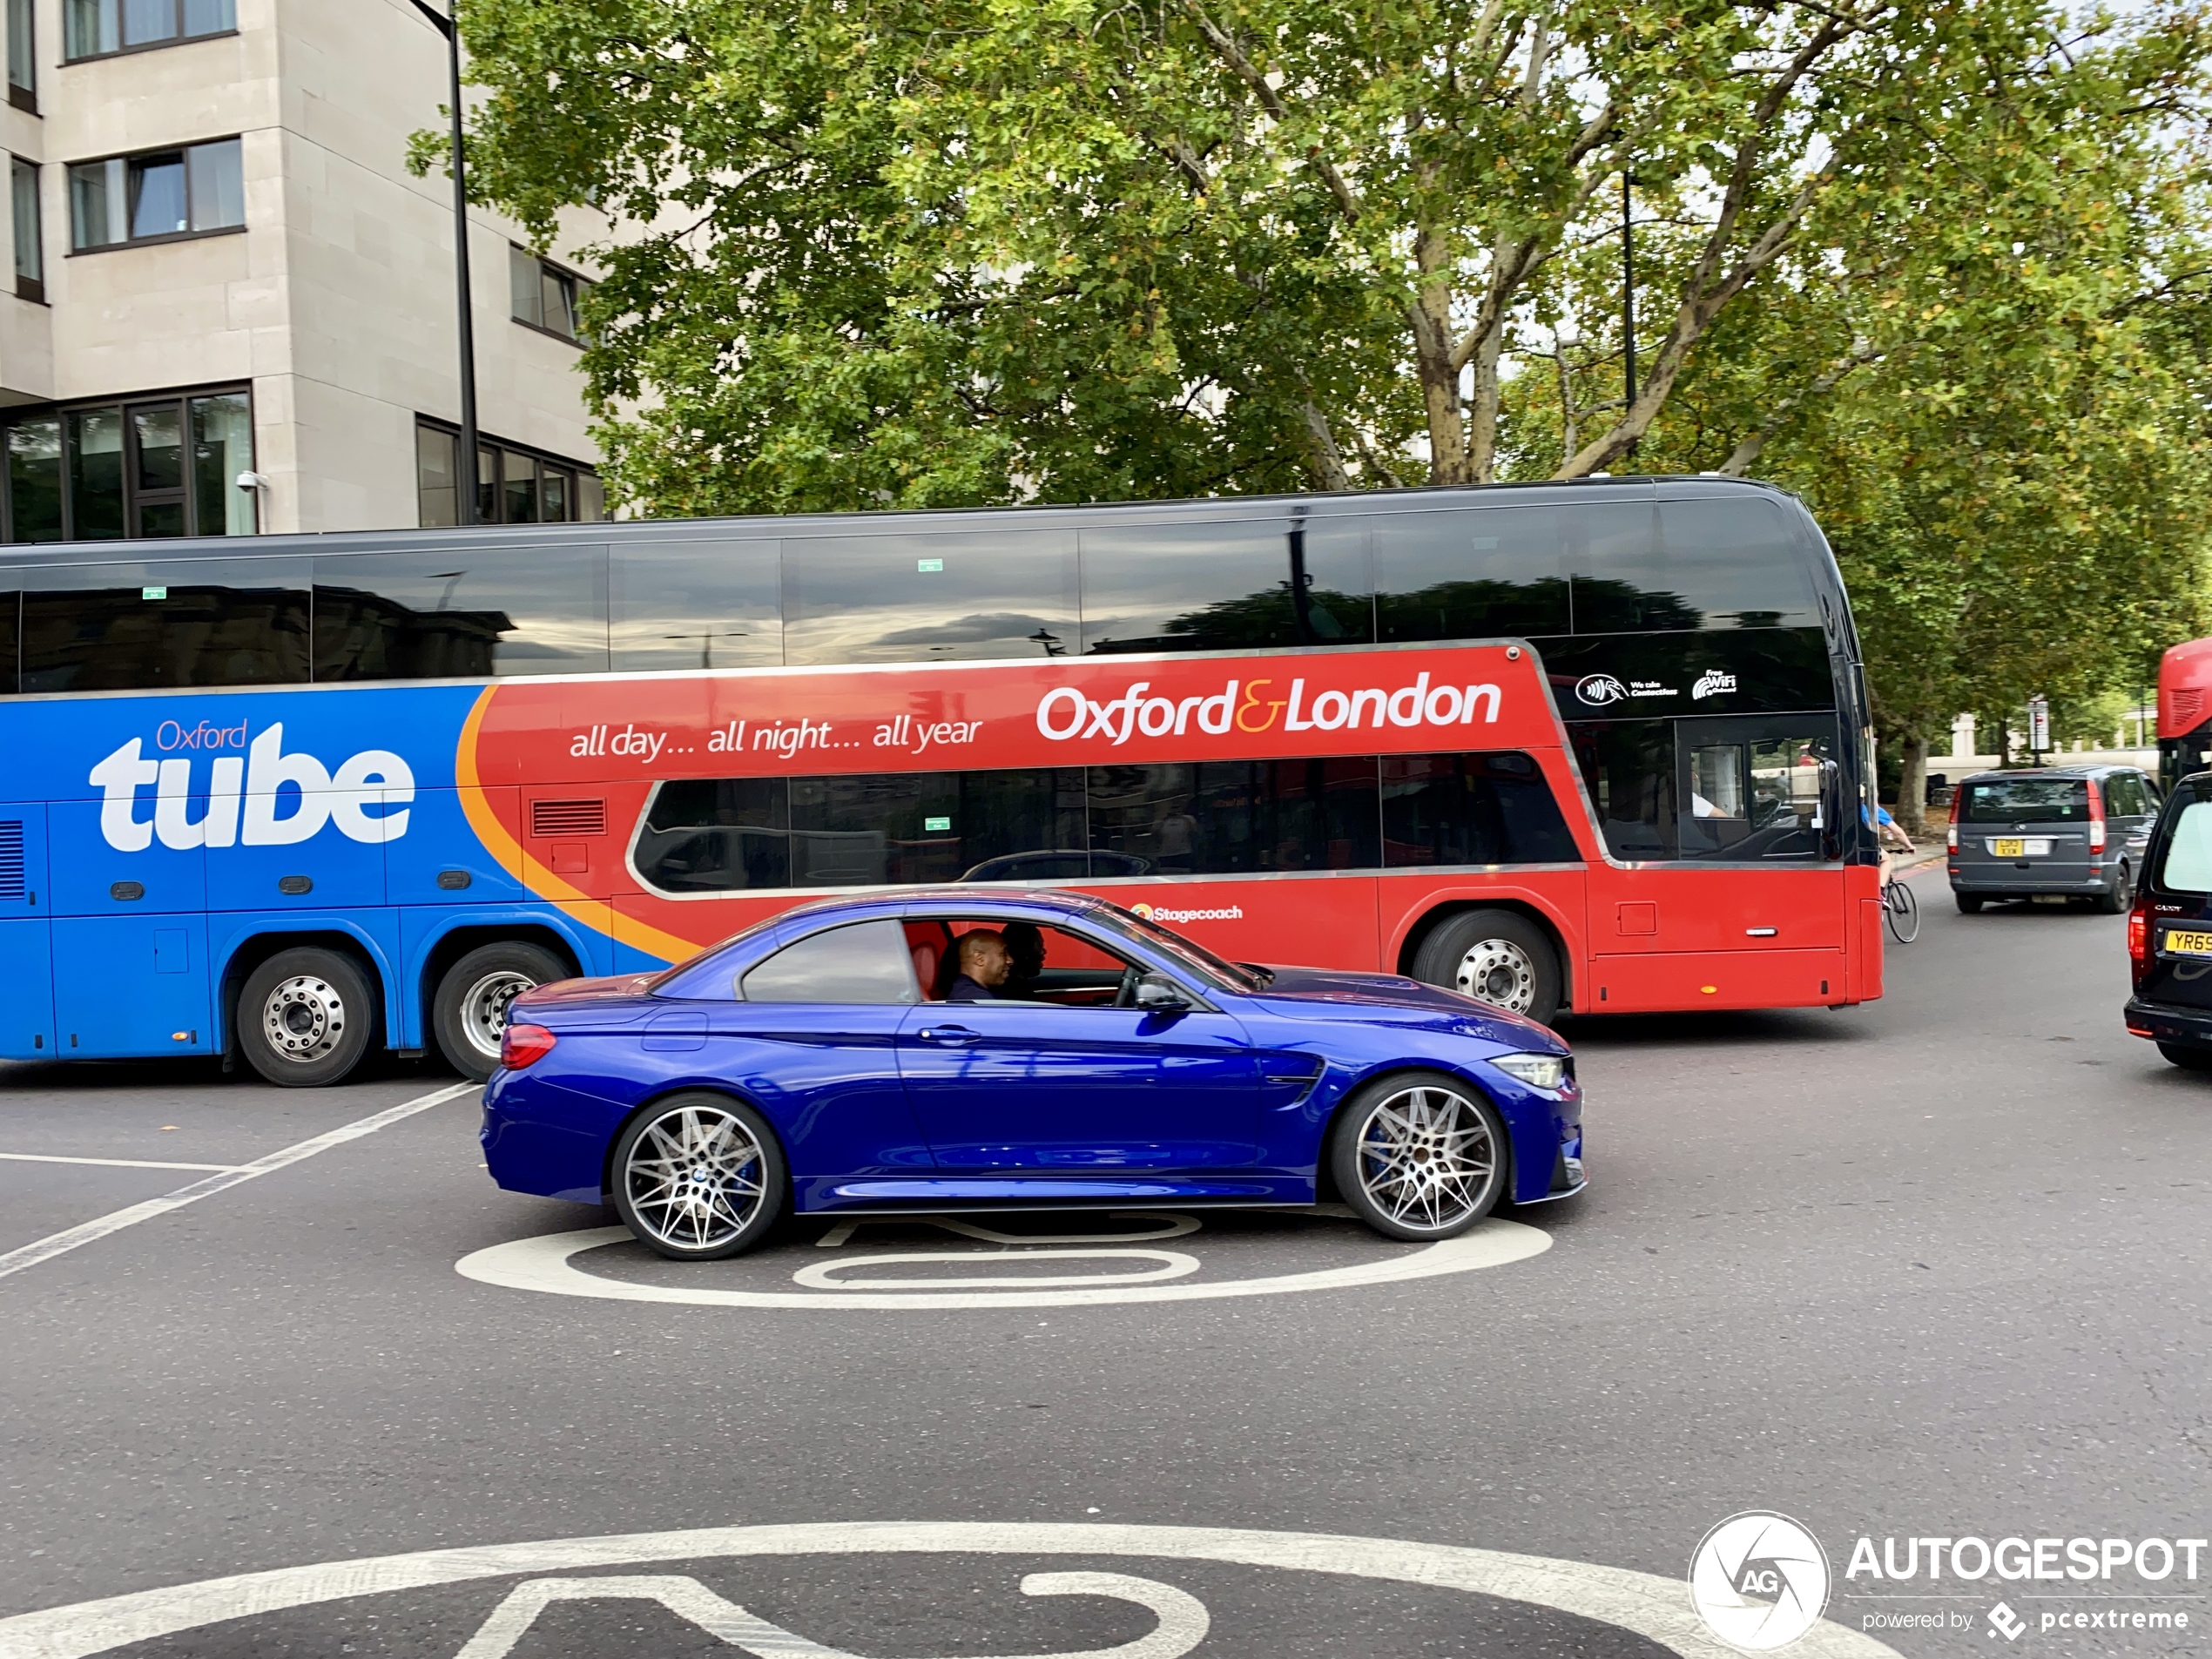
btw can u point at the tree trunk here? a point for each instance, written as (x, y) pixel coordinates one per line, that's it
(1913, 782)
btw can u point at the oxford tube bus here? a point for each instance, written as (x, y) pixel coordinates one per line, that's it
(1588, 748)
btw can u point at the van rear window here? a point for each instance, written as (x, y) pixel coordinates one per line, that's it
(2187, 866)
(2027, 800)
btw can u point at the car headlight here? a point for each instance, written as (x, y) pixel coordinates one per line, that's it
(1537, 1070)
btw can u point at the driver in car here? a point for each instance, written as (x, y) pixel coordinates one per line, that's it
(984, 965)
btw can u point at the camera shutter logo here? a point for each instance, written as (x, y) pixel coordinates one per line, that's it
(1598, 690)
(1759, 1582)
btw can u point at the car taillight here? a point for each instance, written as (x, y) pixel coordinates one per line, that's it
(2139, 933)
(1951, 836)
(2096, 818)
(524, 1045)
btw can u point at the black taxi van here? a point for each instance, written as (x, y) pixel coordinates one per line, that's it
(2169, 930)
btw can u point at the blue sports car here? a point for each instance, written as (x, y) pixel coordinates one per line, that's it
(968, 1050)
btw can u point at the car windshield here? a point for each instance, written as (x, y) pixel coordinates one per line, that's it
(2027, 800)
(1213, 969)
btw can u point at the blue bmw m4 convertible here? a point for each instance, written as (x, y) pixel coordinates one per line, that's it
(969, 1049)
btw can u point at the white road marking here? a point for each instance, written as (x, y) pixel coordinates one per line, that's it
(824, 1275)
(61, 1243)
(117, 1164)
(1169, 1226)
(544, 1264)
(1183, 1626)
(1653, 1606)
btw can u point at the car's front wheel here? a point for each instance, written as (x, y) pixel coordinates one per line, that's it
(306, 1018)
(698, 1176)
(1419, 1156)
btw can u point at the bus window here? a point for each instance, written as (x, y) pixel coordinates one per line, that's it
(1720, 561)
(147, 626)
(1226, 585)
(462, 611)
(900, 599)
(1218, 818)
(1490, 573)
(10, 609)
(1751, 794)
(695, 603)
(717, 835)
(1470, 809)
(1628, 767)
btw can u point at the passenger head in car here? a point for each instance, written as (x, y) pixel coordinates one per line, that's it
(1025, 950)
(984, 965)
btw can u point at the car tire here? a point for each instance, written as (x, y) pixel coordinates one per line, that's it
(1497, 956)
(2188, 1058)
(1421, 1156)
(2122, 894)
(306, 1018)
(469, 1011)
(1969, 903)
(698, 1176)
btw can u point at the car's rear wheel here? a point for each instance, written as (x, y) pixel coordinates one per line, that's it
(306, 1018)
(1419, 1156)
(1498, 955)
(2120, 896)
(698, 1176)
(1969, 903)
(2188, 1059)
(468, 1011)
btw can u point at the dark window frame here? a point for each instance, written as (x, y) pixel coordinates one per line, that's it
(574, 284)
(22, 94)
(128, 158)
(32, 288)
(122, 406)
(163, 45)
(542, 461)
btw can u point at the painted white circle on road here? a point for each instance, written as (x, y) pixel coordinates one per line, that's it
(1651, 1606)
(1173, 1263)
(546, 1264)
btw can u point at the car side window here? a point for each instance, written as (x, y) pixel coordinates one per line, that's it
(1039, 963)
(863, 963)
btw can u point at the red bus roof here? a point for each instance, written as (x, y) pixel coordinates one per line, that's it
(2184, 688)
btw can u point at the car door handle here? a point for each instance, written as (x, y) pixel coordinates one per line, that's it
(946, 1033)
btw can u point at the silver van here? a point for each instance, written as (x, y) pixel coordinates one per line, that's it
(2075, 831)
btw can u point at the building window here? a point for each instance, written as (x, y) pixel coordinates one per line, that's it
(22, 61)
(97, 27)
(31, 240)
(514, 485)
(545, 296)
(148, 469)
(157, 197)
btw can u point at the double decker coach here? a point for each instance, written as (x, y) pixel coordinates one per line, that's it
(1588, 748)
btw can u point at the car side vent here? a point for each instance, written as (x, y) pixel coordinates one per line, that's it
(568, 818)
(12, 885)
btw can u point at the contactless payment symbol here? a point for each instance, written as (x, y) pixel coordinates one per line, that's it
(1598, 690)
(1759, 1581)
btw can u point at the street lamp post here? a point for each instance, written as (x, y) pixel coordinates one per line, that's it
(447, 25)
(1628, 294)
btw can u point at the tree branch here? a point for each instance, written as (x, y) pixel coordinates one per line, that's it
(1230, 53)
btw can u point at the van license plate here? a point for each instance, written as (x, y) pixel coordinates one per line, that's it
(2178, 943)
(2013, 849)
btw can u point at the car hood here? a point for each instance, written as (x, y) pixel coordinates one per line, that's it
(1313, 992)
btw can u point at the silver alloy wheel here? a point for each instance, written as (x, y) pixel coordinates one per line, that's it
(1499, 972)
(484, 1005)
(1427, 1159)
(304, 1018)
(694, 1177)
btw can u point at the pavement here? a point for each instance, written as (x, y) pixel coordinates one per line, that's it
(1930, 1268)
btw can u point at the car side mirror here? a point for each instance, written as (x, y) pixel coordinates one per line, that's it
(1158, 991)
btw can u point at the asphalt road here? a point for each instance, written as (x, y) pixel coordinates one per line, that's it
(1933, 1267)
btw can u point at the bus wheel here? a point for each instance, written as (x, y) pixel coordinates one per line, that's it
(306, 1018)
(469, 1011)
(1498, 955)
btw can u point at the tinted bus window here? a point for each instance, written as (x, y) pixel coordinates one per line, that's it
(1479, 573)
(2027, 800)
(145, 626)
(1242, 584)
(695, 604)
(1219, 817)
(1754, 796)
(1470, 809)
(10, 609)
(1628, 767)
(898, 598)
(460, 611)
(1731, 561)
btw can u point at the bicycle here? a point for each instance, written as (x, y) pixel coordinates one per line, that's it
(1901, 910)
